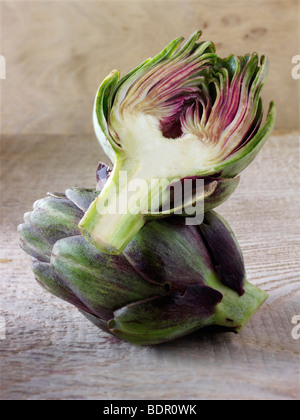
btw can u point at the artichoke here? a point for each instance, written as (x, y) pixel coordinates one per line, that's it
(170, 280)
(184, 114)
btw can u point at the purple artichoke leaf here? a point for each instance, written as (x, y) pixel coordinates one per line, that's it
(243, 156)
(100, 323)
(225, 251)
(181, 196)
(212, 193)
(169, 252)
(224, 188)
(47, 277)
(39, 233)
(102, 173)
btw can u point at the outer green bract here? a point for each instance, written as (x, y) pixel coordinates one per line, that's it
(184, 113)
(171, 279)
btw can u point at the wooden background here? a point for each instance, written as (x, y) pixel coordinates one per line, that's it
(57, 53)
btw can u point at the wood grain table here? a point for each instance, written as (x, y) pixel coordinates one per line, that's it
(49, 351)
(57, 53)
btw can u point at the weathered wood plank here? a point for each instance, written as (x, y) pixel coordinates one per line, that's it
(68, 47)
(47, 349)
(52, 352)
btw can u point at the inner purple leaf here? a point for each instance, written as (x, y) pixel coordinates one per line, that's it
(102, 173)
(171, 126)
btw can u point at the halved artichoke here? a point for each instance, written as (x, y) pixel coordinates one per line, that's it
(171, 279)
(186, 113)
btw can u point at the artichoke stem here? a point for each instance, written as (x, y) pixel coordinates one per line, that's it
(236, 311)
(115, 217)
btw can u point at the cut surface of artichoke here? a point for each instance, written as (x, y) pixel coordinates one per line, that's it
(159, 157)
(184, 113)
(157, 162)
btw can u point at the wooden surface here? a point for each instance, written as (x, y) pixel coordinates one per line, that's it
(68, 47)
(52, 352)
(57, 53)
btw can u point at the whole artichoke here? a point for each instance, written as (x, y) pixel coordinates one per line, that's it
(185, 113)
(171, 279)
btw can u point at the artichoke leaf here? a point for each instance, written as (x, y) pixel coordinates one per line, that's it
(169, 252)
(167, 317)
(103, 282)
(47, 277)
(82, 197)
(33, 243)
(225, 251)
(239, 160)
(215, 191)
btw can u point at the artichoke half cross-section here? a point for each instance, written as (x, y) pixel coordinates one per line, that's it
(170, 280)
(186, 113)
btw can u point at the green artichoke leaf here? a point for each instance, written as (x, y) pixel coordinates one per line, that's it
(82, 197)
(54, 217)
(103, 282)
(39, 233)
(66, 215)
(169, 252)
(185, 113)
(104, 94)
(33, 243)
(165, 318)
(235, 312)
(47, 277)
